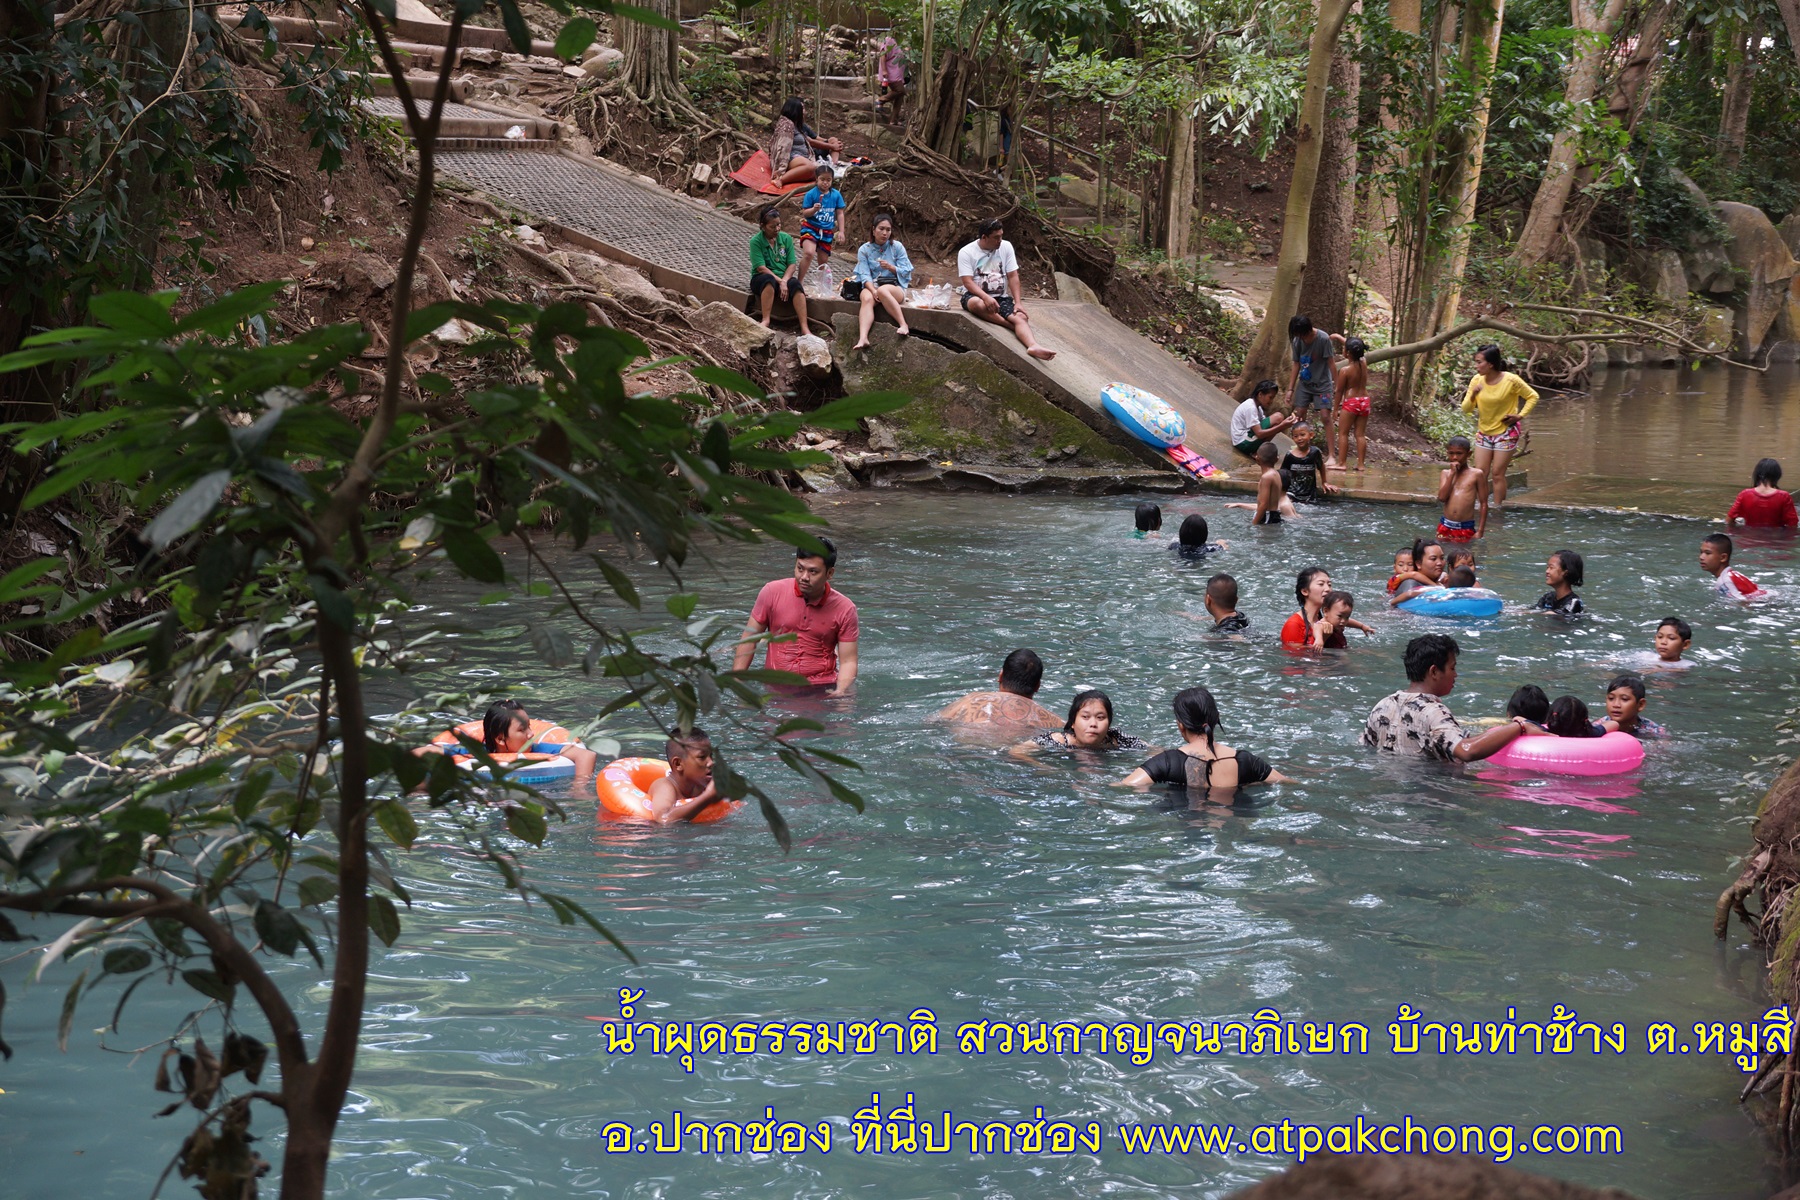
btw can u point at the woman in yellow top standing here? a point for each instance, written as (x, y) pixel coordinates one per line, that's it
(1499, 399)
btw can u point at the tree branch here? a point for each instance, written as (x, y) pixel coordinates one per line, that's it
(1665, 335)
(232, 953)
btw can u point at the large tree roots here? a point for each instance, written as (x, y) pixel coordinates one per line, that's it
(1768, 881)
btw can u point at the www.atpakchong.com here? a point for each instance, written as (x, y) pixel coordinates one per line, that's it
(901, 1130)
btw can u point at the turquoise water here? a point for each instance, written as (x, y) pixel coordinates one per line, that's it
(986, 888)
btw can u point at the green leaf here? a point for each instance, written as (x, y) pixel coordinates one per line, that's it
(845, 413)
(681, 605)
(168, 931)
(125, 960)
(67, 1020)
(13, 584)
(210, 985)
(133, 313)
(10, 932)
(225, 314)
(731, 381)
(568, 912)
(317, 891)
(334, 605)
(473, 556)
(796, 724)
(186, 510)
(396, 820)
(278, 928)
(575, 37)
(619, 582)
(516, 29)
(527, 824)
(552, 645)
(384, 921)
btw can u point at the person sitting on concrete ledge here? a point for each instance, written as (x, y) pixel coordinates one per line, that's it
(990, 280)
(883, 273)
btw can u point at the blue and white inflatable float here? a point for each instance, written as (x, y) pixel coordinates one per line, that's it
(1145, 417)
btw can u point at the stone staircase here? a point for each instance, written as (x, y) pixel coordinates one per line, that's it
(421, 45)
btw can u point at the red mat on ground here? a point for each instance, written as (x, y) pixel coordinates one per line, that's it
(755, 174)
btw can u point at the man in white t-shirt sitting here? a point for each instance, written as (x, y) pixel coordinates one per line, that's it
(990, 280)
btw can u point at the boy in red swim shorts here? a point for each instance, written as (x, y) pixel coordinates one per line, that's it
(1460, 490)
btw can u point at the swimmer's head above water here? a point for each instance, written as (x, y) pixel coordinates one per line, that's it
(1529, 702)
(1193, 532)
(1148, 517)
(1022, 673)
(505, 728)
(1569, 718)
(1673, 637)
(1090, 718)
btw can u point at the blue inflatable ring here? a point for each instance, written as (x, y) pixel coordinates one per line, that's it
(1453, 602)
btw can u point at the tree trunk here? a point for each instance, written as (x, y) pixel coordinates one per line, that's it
(652, 59)
(1544, 222)
(1378, 265)
(1627, 100)
(1177, 191)
(1270, 346)
(1790, 17)
(1480, 47)
(1331, 234)
(941, 113)
(1740, 82)
(25, 304)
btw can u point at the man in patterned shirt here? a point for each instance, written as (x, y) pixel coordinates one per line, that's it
(1416, 721)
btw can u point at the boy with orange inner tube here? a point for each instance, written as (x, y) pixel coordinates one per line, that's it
(688, 788)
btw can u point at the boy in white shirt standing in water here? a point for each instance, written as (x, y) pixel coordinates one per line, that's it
(990, 279)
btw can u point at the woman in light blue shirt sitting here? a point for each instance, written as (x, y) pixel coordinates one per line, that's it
(883, 273)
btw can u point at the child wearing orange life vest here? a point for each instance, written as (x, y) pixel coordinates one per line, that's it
(1403, 566)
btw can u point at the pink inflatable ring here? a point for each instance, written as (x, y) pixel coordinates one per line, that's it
(1613, 754)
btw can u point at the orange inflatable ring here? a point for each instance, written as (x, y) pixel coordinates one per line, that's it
(623, 787)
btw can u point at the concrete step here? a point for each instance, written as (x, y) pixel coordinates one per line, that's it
(413, 31)
(463, 122)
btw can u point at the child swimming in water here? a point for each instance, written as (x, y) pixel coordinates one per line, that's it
(689, 786)
(1334, 618)
(1428, 570)
(1624, 704)
(1563, 573)
(1461, 558)
(1529, 701)
(1763, 503)
(1673, 637)
(1272, 505)
(1403, 566)
(1459, 577)
(1191, 538)
(1148, 519)
(1569, 718)
(1715, 560)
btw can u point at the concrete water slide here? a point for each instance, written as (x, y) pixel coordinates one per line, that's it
(698, 250)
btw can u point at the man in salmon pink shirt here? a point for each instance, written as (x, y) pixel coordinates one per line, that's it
(814, 625)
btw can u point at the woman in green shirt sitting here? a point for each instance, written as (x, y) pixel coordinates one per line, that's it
(773, 261)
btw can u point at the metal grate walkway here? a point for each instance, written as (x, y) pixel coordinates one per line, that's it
(615, 209)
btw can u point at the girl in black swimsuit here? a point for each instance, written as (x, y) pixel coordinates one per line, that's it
(1199, 764)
